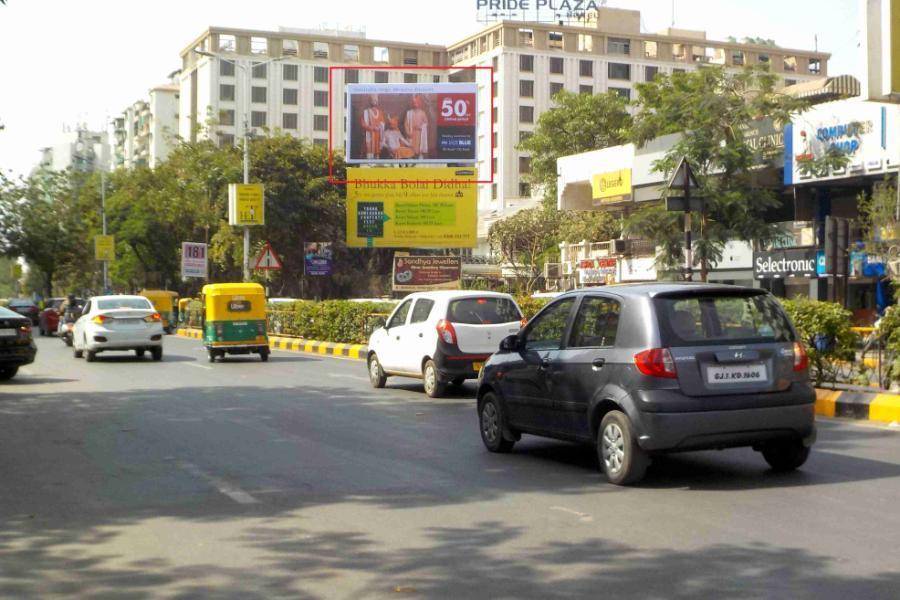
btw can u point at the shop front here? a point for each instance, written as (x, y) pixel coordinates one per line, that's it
(786, 272)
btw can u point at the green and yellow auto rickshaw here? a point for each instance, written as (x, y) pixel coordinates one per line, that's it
(234, 320)
(164, 301)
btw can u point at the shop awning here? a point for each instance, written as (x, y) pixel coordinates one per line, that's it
(826, 89)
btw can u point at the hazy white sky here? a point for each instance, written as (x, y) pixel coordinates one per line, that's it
(67, 61)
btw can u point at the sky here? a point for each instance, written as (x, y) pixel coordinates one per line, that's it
(64, 62)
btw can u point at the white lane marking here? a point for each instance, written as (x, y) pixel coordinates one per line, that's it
(584, 517)
(357, 377)
(196, 366)
(232, 491)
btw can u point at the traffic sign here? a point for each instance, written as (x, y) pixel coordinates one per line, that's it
(267, 259)
(193, 260)
(104, 247)
(246, 204)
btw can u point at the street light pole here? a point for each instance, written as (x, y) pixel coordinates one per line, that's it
(103, 219)
(246, 180)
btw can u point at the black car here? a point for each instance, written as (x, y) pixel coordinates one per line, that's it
(16, 344)
(641, 369)
(25, 307)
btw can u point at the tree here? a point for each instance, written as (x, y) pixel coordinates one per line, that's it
(524, 240)
(593, 226)
(711, 108)
(577, 123)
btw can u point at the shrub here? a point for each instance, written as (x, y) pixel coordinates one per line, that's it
(530, 306)
(340, 321)
(824, 329)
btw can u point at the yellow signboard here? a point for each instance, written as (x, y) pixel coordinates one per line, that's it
(411, 208)
(104, 247)
(246, 204)
(612, 186)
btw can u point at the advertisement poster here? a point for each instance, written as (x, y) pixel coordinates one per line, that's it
(246, 204)
(427, 208)
(317, 258)
(424, 273)
(611, 187)
(193, 259)
(105, 247)
(411, 123)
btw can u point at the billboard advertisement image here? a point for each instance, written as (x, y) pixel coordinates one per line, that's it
(317, 258)
(411, 123)
(193, 259)
(424, 273)
(433, 208)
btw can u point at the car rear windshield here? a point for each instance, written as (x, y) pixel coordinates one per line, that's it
(698, 320)
(114, 303)
(21, 303)
(483, 311)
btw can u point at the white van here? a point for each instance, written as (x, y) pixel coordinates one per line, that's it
(441, 337)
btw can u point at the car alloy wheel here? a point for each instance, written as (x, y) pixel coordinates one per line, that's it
(490, 422)
(613, 448)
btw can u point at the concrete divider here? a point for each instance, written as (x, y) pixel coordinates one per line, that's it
(356, 351)
(854, 404)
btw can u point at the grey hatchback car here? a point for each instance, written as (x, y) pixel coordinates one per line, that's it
(642, 369)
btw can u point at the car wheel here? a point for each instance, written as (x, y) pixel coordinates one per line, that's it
(156, 353)
(75, 351)
(139, 352)
(434, 387)
(7, 373)
(90, 356)
(376, 374)
(490, 422)
(785, 455)
(623, 461)
(264, 354)
(67, 341)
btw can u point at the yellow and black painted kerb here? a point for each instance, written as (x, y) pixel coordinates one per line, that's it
(357, 351)
(869, 406)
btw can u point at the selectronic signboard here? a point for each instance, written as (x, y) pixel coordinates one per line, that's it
(246, 204)
(193, 259)
(411, 123)
(411, 208)
(789, 262)
(611, 187)
(105, 247)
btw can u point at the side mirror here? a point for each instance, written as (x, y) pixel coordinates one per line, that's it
(511, 343)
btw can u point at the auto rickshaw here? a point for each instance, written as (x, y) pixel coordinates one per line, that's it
(184, 310)
(164, 301)
(234, 320)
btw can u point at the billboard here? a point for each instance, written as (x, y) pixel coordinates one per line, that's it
(411, 208)
(317, 258)
(393, 123)
(424, 273)
(246, 204)
(612, 186)
(104, 247)
(193, 260)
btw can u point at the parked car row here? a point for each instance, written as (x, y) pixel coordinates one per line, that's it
(16, 344)
(634, 370)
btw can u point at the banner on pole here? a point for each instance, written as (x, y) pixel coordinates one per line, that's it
(194, 260)
(105, 247)
(246, 204)
(317, 257)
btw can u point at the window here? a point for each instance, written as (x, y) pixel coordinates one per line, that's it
(381, 76)
(763, 59)
(651, 49)
(555, 88)
(526, 114)
(257, 94)
(351, 76)
(721, 319)
(524, 164)
(226, 117)
(493, 191)
(524, 135)
(258, 45)
(526, 37)
(556, 65)
(493, 139)
(546, 330)
(679, 51)
(381, 55)
(257, 118)
(289, 121)
(226, 92)
(410, 57)
(320, 75)
(290, 47)
(494, 165)
(737, 57)
(585, 42)
(815, 66)
(410, 78)
(494, 89)
(618, 46)
(650, 73)
(289, 96)
(619, 71)
(421, 310)
(320, 98)
(524, 189)
(487, 310)
(227, 43)
(351, 53)
(621, 92)
(226, 140)
(586, 68)
(399, 317)
(320, 122)
(289, 72)
(585, 89)
(320, 50)
(526, 88)
(526, 63)
(112, 304)
(495, 64)
(435, 78)
(226, 68)
(595, 324)
(259, 70)
(555, 40)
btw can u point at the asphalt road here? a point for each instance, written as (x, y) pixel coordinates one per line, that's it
(129, 478)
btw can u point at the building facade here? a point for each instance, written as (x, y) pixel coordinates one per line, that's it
(79, 149)
(146, 131)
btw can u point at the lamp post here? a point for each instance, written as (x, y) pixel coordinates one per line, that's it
(246, 135)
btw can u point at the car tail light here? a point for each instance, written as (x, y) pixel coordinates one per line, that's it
(656, 362)
(101, 319)
(261, 328)
(446, 332)
(523, 322)
(154, 318)
(220, 330)
(801, 360)
(25, 332)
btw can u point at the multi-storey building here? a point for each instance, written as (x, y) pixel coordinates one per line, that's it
(79, 149)
(530, 61)
(146, 131)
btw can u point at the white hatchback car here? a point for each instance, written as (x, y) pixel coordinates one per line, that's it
(118, 323)
(441, 337)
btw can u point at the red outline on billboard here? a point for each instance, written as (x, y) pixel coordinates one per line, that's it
(332, 68)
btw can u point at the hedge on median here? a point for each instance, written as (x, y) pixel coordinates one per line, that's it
(341, 321)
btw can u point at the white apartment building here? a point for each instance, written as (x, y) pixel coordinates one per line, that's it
(531, 62)
(79, 149)
(146, 131)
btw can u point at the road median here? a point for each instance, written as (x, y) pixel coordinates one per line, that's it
(355, 351)
(882, 407)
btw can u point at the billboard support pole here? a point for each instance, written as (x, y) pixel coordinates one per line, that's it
(103, 218)
(246, 180)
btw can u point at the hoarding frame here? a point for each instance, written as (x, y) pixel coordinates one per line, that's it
(332, 68)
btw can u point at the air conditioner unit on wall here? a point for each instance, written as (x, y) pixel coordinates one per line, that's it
(618, 246)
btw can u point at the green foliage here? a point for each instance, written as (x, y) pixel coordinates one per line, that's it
(878, 217)
(524, 240)
(813, 318)
(593, 226)
(529, 305)
(576, 123)
(330, 320)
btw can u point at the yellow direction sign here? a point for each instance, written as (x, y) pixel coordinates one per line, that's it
(105, 247)
(246, 204)
(411, 208)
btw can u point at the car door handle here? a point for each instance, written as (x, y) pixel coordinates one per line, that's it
(545, 363)
(598, 363)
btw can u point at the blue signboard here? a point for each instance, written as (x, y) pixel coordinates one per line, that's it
(317, 258)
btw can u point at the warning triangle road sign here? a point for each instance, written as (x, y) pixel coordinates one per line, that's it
(267, 259)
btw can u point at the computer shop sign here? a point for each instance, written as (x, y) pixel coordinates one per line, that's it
(778, 264)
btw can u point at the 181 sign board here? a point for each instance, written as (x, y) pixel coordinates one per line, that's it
(193, 260)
